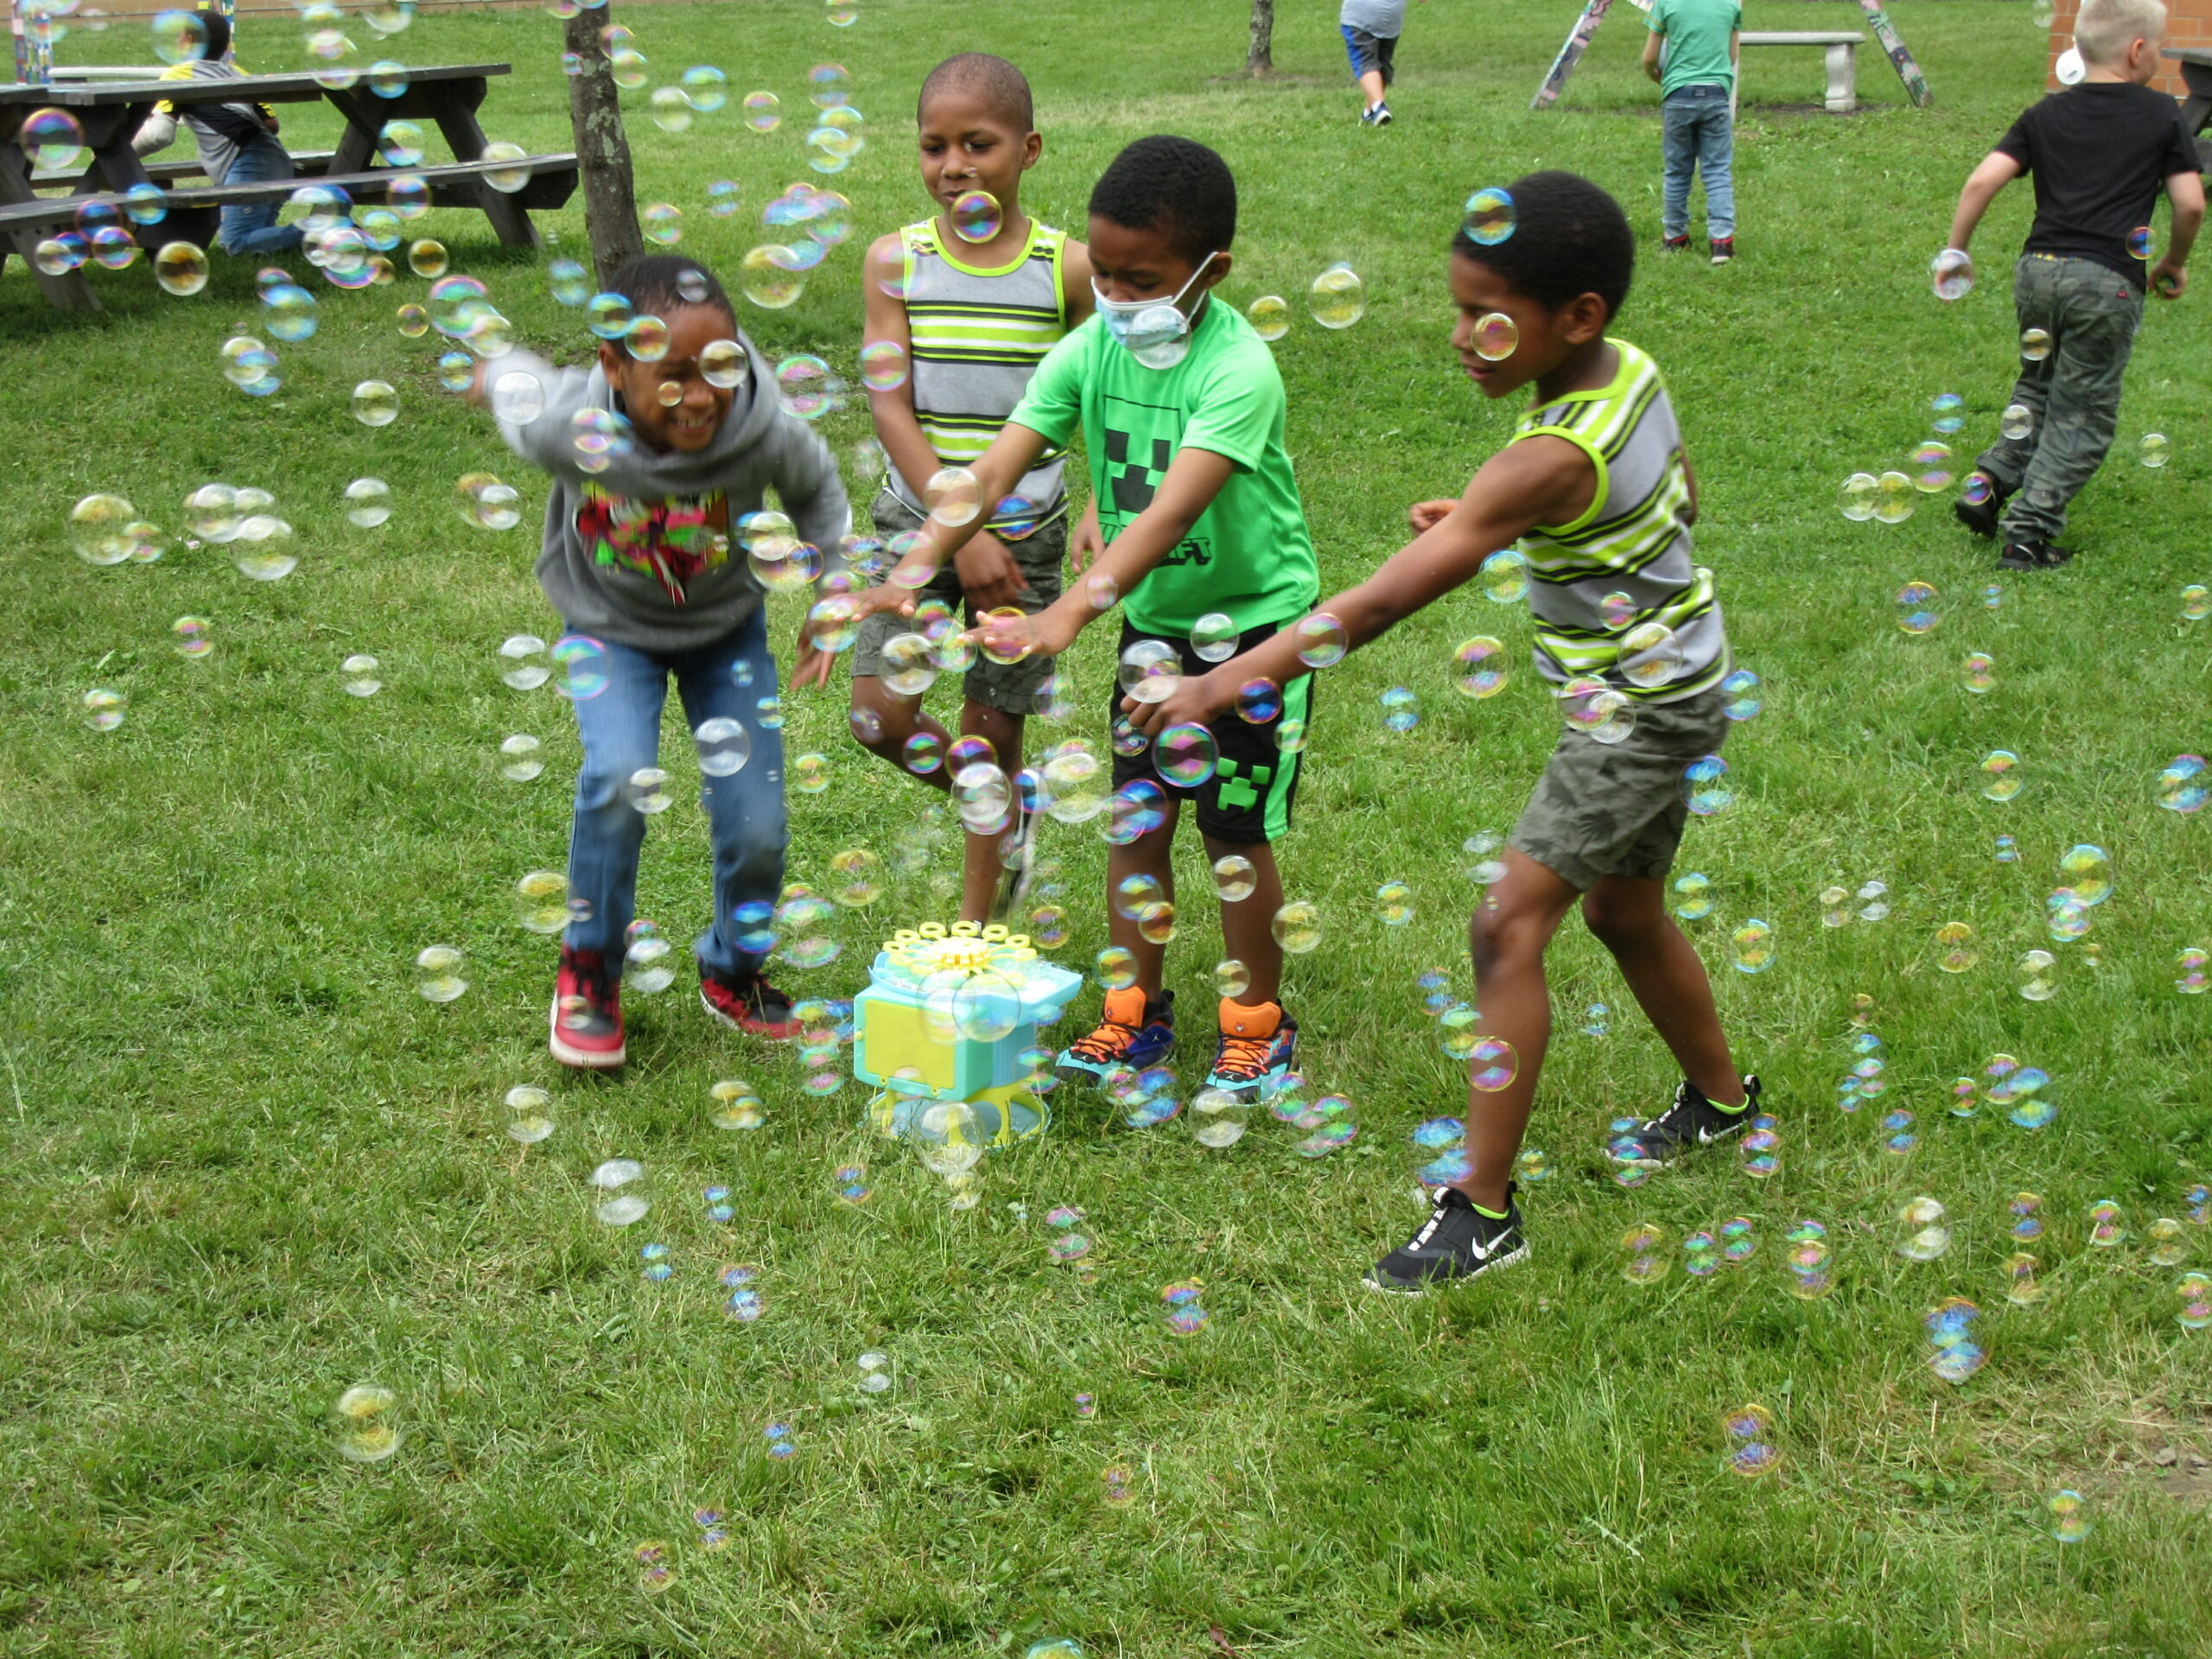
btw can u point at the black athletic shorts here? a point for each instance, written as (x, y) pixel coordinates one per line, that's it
(1247, 799)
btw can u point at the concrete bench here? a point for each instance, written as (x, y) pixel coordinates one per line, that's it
(1841, 46)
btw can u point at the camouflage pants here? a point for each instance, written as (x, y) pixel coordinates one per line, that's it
(2091, 313)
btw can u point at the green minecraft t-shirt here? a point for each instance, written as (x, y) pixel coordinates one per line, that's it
(1249, 555)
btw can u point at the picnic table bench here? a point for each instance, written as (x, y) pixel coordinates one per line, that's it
(1841, 45)
(2196, 109)
(112, 112)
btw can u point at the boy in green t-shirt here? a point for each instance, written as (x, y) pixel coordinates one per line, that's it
(1181, 412)
(1697, 95)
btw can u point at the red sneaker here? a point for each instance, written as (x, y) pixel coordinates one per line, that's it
(587, 1012)
(748, 1003)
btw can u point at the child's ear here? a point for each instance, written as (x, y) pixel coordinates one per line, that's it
(1033, 146)
(1217, 270)
(610, 362)
(1585, 319)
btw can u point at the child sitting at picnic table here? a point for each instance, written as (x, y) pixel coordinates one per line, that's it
(238, 144)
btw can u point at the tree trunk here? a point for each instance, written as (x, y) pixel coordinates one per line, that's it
(602, 148)
(1261, 59)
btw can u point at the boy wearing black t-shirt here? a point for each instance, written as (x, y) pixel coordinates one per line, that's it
(2100, 153)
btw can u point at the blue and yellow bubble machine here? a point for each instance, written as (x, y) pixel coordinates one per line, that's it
(947, 1014)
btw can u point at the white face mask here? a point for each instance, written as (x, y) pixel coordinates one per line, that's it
(1156, 332)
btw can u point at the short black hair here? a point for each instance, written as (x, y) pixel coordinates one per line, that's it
(1175, 184)
(216, 43)
(1003, 88)
(656, 283)
(1569, 238)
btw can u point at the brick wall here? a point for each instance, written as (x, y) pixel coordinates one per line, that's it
(2188, 23)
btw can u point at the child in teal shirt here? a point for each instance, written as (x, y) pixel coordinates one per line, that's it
(1697, 95)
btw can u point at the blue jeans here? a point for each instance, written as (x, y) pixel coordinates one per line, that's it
(1698, 136)
(621, 728)
(251, 227)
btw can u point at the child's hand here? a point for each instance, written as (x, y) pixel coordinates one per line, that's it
(810, 666)
(1020, 637)
(2168, 280)
(1427, 515)
(988, 573)
(868, 602)
(1197, 702)
(1089, 542)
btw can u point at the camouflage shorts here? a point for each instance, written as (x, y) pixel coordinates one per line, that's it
(1010, 688)
(1618, 809)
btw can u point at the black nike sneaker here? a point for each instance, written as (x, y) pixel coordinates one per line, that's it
(1691, 1123)
(1454, 1245)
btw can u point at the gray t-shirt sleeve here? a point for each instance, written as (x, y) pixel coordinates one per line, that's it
(1384, 19)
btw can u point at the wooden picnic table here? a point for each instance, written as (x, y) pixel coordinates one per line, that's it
(2196, 109)
(111, 112)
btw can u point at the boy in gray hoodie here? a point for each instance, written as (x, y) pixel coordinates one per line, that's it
(659, 455)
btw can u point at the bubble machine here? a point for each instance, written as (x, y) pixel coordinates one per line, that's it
(946, 1015)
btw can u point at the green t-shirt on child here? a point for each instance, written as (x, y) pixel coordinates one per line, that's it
(1697, 33)
(1249, 555)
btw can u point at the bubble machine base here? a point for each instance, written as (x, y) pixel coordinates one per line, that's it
(946, 1015)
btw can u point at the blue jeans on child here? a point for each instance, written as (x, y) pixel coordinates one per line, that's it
(621, 728)
(1697, 134)
(251, 227)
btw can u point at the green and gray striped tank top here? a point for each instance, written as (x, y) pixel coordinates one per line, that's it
(977, 335)
(1626, 562)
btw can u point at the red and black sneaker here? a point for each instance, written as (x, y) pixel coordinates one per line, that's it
(587, 1012)
(748, 1003)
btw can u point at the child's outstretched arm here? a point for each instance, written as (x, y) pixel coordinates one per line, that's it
(997, 471)
(2185, 193)
(1997, 170)
(1193, 481)
(1537, 481)
(1654, 40)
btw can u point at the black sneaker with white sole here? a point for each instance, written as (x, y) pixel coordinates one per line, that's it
(1691, 1122)
(1454, 1245)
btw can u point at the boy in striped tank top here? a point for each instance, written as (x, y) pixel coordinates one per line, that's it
(1595, 489)
(974, 301)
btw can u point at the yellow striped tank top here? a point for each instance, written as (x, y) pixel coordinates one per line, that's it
(977, 335)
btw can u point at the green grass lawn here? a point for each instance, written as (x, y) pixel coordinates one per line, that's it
(247, 1167)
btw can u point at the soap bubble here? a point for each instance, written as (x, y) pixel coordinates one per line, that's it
(1646, 1260)
(1856, 497)
(1185, 755)
(2001, 770)
(181, 268)
(440, 968)
(619, 1208)
(1481, 668)
(2017, 421)
(1505, 576)
(1297, 927)
(1400, 709)
(1951, 273)
(770, 277)
(1915, 607)
(2184, 786)
(2152, 450)
(1234, 878)
(1322, 640)
(1926, 1236)
(1948, 410)
(1270, 316)
(1337, 298)
(1893, 498)
(2069, 1516)
(1694, 896)
(976, 216)
(1231, 978)
(1151, 669)
(1705, 785)
(1493, 1065)
(1751, 947)
(375, 403)
(1495, 337)
(1213, 638)
(724, 747)
(365, 1420)
(2035, 344)
(1489, 218)
(360, 676)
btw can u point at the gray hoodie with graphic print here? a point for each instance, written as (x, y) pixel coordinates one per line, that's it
(598, 587)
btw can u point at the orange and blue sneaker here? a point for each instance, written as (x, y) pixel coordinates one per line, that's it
(1132, 1032)
(587, 1019)
(1258, 1045)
